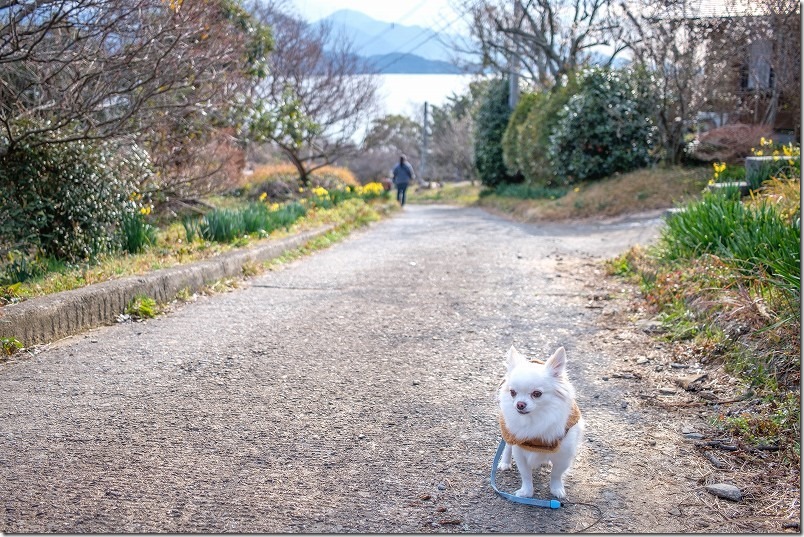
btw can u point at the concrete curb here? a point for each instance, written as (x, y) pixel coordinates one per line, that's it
(49, 318)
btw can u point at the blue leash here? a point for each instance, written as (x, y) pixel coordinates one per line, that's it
(552, 504)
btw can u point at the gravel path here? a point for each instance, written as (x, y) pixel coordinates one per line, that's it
(352, 390)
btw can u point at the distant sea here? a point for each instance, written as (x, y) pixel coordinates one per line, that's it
(406, 94)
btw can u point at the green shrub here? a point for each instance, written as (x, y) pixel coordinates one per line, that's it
(490, 123)
(339, 195)
(229, 225)
(511, 144)
(606, 127)
(257, 217)
(533, 140)
(527, 191)
(287, 215)
(758, 240)
(767, 169)
(136, 233)
(19, 267)
(222, 225)
(142, 307)
(192, 227)
(66, 199)
(729, 173)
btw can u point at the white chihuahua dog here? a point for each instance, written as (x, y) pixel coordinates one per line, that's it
(539, 419)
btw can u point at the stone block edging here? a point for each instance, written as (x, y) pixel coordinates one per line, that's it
(48, 318)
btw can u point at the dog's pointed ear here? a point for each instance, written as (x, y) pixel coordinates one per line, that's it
(557, 363)
(513, 358)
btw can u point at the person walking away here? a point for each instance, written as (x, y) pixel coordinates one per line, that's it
(403, 175)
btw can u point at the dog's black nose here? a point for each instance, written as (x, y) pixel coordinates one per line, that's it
(520, 405)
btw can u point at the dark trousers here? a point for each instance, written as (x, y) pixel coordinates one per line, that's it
(401, 191)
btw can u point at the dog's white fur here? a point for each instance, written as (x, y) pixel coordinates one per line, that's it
(543, 417)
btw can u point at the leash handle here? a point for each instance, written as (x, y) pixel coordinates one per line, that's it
(552, 504)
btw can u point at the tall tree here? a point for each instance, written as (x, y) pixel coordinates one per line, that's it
(672, 44)
(314, 70)
(151, 72)
(452, 149)
(394, 134)
(698, 58)
(388, 137)
(546, 39)
(769, 32)
(491, 119)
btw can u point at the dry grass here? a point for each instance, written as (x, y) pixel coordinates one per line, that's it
(621, 194)
(273, 171)
(463, 194)
(783, 193)
(288, 173)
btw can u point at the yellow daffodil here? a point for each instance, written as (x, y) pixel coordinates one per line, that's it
(791, 151)
(263, 196)
(370, 189)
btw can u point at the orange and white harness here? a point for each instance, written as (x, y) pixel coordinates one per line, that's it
(537, 444)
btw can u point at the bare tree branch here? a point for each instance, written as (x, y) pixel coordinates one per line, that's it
(320, 70)
(701, 61)
(159, 73)
(548, 38)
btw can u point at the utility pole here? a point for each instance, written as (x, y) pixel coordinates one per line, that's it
(513, 88)
(513, 63)
(423, 166)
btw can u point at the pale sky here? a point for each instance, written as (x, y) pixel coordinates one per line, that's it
(436, 14)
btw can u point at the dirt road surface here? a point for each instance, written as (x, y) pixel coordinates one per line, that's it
(348, 391)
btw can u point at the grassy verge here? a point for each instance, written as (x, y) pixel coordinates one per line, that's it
(462, 194)
(171, 248)
(725, 280)
(638, 191)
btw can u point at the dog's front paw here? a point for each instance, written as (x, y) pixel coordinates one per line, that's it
(524, 492)
(504, 465)
(557, 490)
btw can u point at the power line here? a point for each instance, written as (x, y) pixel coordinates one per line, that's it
(405, 16)
(430, 38)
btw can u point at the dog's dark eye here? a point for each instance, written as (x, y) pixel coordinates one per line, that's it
(513, 393)
(536, 394)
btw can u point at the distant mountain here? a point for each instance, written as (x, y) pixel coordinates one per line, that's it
(396, 48)
(407, 49)
(398, 63)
